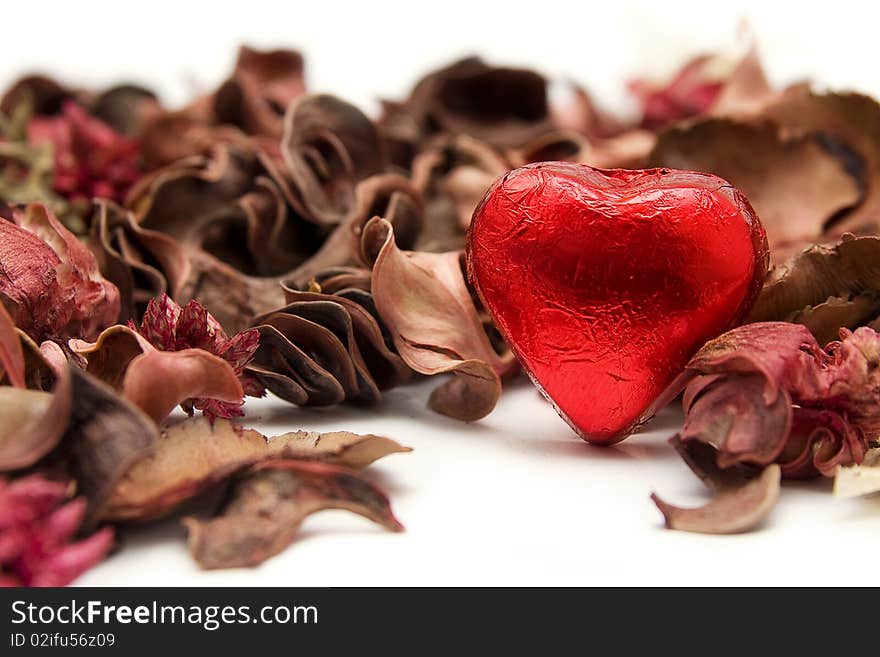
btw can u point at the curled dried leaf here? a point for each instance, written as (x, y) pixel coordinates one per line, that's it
(49, 280)
(261, 87)
(267, 505)
(142, 263)
(424, 301)
(453, 174)
(505, 107)
(825, 288)
(328, 147)
(105, 437)
(33, 421)
(194, 455)
(322, 349)
(742, 499)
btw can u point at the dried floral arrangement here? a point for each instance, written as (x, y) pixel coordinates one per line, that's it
(263, 238)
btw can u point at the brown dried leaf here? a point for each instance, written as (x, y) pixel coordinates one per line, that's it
(324, 349)
(194, 455)
(826, 288)
(849, 125)
(328, 147)
(505, 107)
(862, 479)
(268, 504)
(794, 182)
(11, 353)
(742, 499)
(426, 304)
(262, 85)
(139, 261)
(105, 437)
(32, 422)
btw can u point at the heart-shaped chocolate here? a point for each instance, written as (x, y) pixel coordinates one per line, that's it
(605, 283)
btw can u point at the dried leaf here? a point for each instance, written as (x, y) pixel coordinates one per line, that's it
(268, 504)
(11, 354)
(33, 421)
(742, 500)
(328, 147)
(426, 304)
(826, 288)
(105, 437)
(862, 479)
(262, 85)
(194, 455)
(505, 107)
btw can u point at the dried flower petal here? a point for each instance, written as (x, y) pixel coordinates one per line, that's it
(156, 381)
(329, 146)
(194, 455)
(105, 437)
(91, 159)
(268, 504)
(742, 499)
(862, 479)
(37, 526)
(49, 280)
(767, 393)
(32, 422)
(426, 304)
(262, 85)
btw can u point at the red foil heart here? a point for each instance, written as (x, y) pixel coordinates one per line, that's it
(605, 283)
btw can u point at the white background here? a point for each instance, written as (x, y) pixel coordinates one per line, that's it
(516, 498)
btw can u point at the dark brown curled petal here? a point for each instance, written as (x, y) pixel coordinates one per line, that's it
(386, 195)
(742, 499)
(329, 146)
(265, 508)
(45, 95)
(377, 364)
(292, 374)
(142, 263)
(262, 85)
(127, 108)
(106, 436)
(505, 107)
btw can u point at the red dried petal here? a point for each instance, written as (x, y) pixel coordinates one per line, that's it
(91, 159)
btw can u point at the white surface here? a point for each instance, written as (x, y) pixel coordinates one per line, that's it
(516, 498)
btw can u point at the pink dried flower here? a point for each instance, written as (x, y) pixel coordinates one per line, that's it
(91, 158)
(170, 327)
(37, 526)
(49, 280)
(766, 392)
